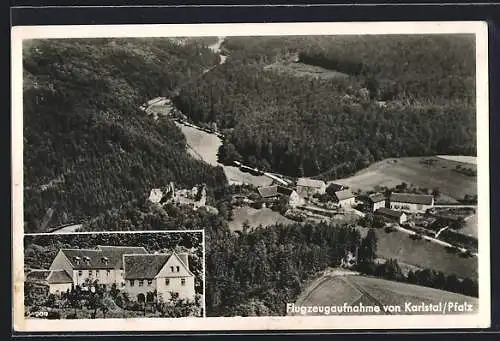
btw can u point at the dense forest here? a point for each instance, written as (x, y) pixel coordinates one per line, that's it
(405, 96)
(87, 147)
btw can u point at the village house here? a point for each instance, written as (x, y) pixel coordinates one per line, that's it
(195, 197)
(392, 215)
(411, 202)
(376, 201)
(272, 193)
(344, 198)
(308, 187)
(164, 274)
(121, 265)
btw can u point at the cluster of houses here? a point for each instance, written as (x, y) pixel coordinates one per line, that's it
(396, 206)
(195, 197)
(132, 269)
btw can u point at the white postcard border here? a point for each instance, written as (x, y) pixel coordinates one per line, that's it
(479, 320)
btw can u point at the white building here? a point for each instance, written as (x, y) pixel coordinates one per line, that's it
(132, 269)
(411, 202)
(344, 198)
(308, 187)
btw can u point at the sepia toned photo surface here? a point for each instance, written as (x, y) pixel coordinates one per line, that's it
(251, 177)
(114, 275)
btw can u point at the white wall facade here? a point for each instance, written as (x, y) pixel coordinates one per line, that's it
(134, 287)
(166, 285)
(347, 202)
(103, 276)
(378, 205)
(403, 206)
(58, 288)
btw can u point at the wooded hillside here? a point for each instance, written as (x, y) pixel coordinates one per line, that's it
(87, 146)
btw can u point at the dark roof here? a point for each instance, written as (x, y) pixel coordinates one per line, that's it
(143, 266)
(37, 275)
(344, 195)
(412, 198)
(59, 276)
(272, 191)
(97, 257)
(306, 182)
(94, 257)
(332, 188)
(268, 191)
(388, 212)
(376, 197)
(115, 253)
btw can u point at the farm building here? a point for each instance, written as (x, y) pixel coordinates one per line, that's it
(344, 198)
(275, 192)
(411, 202)
(308, 187)
(398, 216)
(132, 269)
(376, 201)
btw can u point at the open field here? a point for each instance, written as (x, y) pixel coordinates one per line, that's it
(439, 173)
(264, 217)
(423, 254)
(356, 289)
(205, 146)
(470, 227)
(460, 158)
(304, 70)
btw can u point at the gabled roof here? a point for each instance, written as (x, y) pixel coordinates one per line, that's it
(376, 197)
(410, 198)
(88, 259)
(115, 253)
(268, 191)
(272, 191)
(59, 277)
(147, 266)
(306, 182)
(105, 257)
(37, 275)
(389, 213)
(344, 195)
(143, 266)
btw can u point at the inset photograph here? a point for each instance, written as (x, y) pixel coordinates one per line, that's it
(114, 275)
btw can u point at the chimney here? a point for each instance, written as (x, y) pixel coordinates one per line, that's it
(184, 258)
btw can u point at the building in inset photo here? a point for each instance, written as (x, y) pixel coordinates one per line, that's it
(148, 274)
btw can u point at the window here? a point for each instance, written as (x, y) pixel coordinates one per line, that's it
(141, 283)
(167, 281)
(172, 268)
(178, 268)
(97, 273)
(132, 282)
(108, 272)
(80, 272)
(90, 273)
(183, 281)
(123, 284)
(150, 282)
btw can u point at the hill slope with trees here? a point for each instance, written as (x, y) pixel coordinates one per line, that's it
(405, 96)
(87, 146)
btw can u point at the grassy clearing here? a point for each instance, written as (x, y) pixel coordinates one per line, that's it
(304, 70)
(413, 170)
(254, 217)
(460, 158)
(354, 289)
(423, 254)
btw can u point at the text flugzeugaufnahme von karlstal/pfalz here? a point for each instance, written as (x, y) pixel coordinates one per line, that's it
(408, 307)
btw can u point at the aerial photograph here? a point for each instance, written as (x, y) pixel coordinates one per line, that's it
(333, 171)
